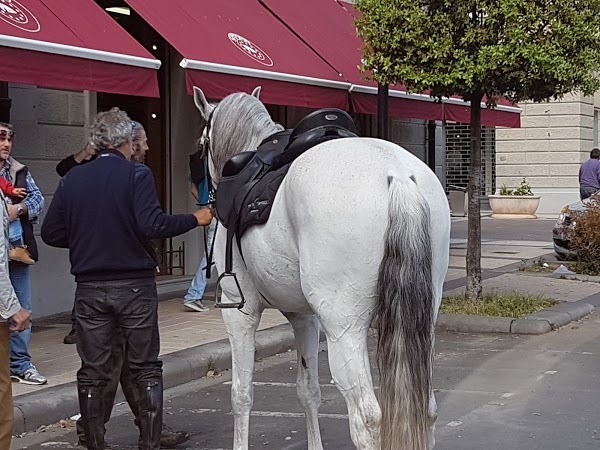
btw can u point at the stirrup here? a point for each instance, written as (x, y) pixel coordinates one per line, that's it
(218, 289)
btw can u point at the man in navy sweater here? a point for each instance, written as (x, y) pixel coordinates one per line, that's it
(106, 212)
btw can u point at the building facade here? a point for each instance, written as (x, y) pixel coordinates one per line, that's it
(554, 139)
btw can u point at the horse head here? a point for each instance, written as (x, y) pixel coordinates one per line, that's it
(240, 122)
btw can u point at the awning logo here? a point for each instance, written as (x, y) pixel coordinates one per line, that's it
(17, 15)
(250, 49)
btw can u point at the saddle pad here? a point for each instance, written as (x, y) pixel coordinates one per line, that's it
(259, 201)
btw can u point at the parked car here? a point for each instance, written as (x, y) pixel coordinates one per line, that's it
(564, 223)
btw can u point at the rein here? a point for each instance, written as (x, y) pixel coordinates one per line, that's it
(205, 143)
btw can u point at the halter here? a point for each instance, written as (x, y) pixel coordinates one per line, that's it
(208, 153)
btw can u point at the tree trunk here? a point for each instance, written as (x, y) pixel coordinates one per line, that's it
(474, 289)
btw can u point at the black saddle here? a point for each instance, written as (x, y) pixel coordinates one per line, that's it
(245, 172)
(250, 180)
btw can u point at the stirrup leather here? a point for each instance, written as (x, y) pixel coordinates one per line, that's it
(229, 273)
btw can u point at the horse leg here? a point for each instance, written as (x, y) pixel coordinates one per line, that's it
(351, 372)
(438, 276)
(306, 331)
(241, 329)
(432, 416)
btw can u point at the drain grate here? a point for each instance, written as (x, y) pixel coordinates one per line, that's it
(506, 253)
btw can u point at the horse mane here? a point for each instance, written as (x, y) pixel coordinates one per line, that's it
(240, 123)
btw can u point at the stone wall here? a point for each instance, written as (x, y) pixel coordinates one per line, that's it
(184, 131)
(554, 139)
(49, 125)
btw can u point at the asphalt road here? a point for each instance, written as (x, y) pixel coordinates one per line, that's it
(508, 229)
(494, 392)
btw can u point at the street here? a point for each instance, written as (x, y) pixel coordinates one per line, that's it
(508, 229)
(493, 392)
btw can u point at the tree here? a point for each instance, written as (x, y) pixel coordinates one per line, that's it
(481, 50)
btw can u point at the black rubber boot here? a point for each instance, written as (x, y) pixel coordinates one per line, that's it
(71, 338)
(150, 414)
(91, 405)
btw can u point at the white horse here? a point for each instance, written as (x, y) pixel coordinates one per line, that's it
(359, 229)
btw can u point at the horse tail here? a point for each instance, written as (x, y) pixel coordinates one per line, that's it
(404, 318)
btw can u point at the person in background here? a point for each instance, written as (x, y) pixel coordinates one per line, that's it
(114, 269)
(84, 156)
(140, 143)
(589, 175)
(199, 190)
(13, 318)
(169, 437)
(80, 158)
(26, 211)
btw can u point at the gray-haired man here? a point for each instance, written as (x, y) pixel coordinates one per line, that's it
(105, 213)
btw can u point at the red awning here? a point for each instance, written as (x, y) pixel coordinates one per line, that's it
(505, 114)
(327, 26)
(236, 45)
(55, 43)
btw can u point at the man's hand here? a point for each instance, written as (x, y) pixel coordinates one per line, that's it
(13, 212)
(19, 192)
(204, 216)
(20, 321)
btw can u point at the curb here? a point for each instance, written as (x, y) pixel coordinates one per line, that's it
(49, 405)
(537, 323)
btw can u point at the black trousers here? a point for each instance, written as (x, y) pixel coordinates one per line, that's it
(586, 192)
(120, 374)
(102, 308)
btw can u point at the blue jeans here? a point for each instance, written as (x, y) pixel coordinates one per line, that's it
(20, 359)
(15, 232)
(196, 290)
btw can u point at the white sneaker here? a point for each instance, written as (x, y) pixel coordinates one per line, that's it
(30, 376)
(196, 305)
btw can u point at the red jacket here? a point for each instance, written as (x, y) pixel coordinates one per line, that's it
(6, 186)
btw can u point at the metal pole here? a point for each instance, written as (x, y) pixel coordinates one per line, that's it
(383, 108)
(431, 144)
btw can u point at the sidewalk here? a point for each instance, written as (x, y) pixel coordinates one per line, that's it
(180, 328)
(189, 340)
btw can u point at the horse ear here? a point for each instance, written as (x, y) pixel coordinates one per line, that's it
(201, 103)
(256, 92)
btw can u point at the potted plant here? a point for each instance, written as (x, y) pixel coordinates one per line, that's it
(519, 203)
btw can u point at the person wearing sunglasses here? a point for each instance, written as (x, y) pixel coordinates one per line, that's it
(26, 211)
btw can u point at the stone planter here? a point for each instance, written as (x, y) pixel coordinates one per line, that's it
(514, 206)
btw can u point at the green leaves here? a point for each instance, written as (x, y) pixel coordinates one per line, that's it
(522, 49)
